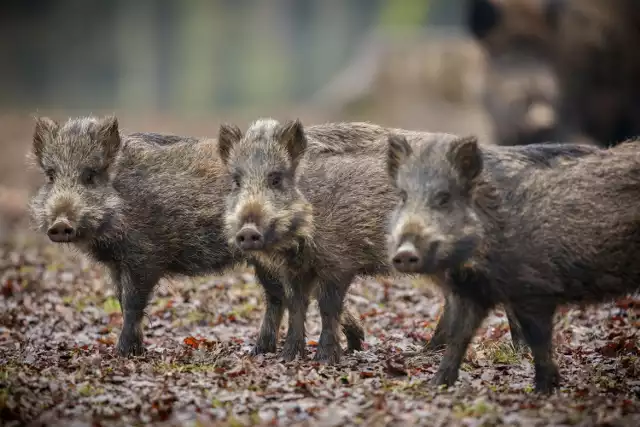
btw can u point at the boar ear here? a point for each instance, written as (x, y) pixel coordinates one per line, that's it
(45, 128)
(482, 17)
(108, 134)
(228, 135)
(464, 154)
(291, 136)
(398, 151)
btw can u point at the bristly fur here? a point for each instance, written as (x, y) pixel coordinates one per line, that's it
(540, 236)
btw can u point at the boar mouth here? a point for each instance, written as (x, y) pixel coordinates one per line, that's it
(62, 239)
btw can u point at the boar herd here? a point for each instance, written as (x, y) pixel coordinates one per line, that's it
(525, 224)
(313, 207)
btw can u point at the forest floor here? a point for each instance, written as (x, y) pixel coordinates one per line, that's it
(59, 321)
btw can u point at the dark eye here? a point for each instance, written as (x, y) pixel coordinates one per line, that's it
(236, 180)
(51, 175)
(442, 198)
(89, 177)
(403, 196)
(275, 179)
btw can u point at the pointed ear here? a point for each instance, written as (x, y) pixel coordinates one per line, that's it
(482, 17)
(108, 134)
(464, 155)
(397, 152)
(45, 129)
(228, 136)
(291, 136)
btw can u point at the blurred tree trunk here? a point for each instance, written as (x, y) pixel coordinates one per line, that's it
(266, 70)
(196, 50)
(137, 49)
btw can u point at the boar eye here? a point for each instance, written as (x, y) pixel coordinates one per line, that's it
(236, 180)
(89, 176)
(51, 175)
(442, 198)
(275, 179)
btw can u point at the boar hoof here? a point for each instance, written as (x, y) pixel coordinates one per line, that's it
(329, 355)
(262, 349)
(354, 345)
(291, 350)
(445, 377)
(547, 382)
(129, 346)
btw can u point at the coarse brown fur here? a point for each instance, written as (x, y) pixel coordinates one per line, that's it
(544, 237)
(147, 206)
(323, 139)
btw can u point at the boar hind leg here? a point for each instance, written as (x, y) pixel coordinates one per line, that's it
(537, 328)
(352, 328)
(517, 336)
(331, 297)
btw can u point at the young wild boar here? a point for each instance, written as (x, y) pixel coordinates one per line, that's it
(545, 237)
(313, 221)
(147, 206)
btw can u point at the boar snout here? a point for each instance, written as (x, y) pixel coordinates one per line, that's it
(249, 238)
(62, 231)
(407, 259)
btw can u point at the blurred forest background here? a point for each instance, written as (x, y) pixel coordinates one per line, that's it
(184, 66)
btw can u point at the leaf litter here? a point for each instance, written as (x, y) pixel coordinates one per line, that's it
(59, 322)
